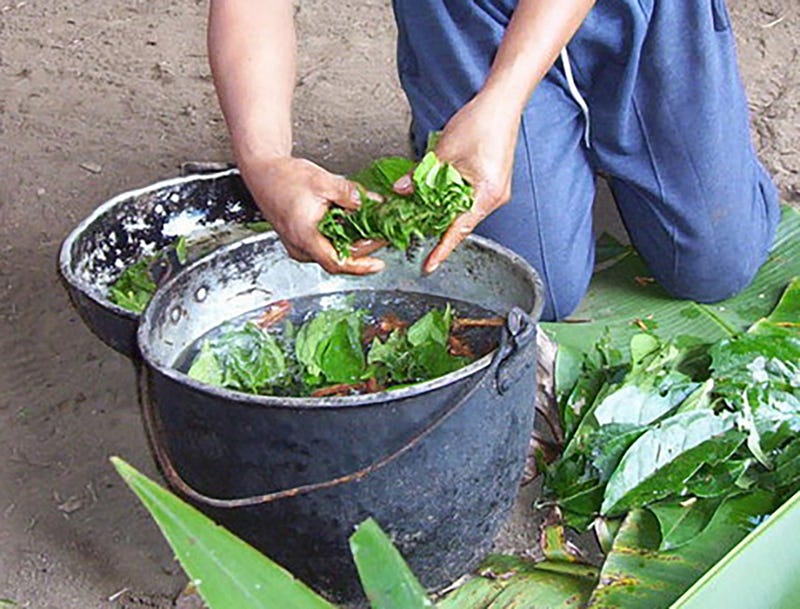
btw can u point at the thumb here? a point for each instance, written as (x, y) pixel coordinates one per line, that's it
(341, 191)
(404, 185)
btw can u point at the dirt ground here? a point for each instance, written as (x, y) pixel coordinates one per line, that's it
(100, 97)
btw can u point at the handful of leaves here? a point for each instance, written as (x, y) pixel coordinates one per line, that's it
(333, 353)
(440, 195)
(683, 427)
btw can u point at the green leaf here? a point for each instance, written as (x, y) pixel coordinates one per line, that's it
(387, 580)
(380, 176)
(206, 367)
(134, 288)
(180, 250)
(761, 571)
(228, 573)
(787, 311)
(259, 227)
(419, 353)
(720, 479)
(681, 520)
(556, 547)
(340, 357)
(477, 593)
(785, 475)
(609, 248)
(636, 575)
(249, 358)
(662, 459)
(434, 327)
(568, 369)
(330, 336)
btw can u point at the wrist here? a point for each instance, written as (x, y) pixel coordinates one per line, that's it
(499, 107)
(259, 154)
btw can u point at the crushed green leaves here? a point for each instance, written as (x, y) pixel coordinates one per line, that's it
(331, 348)
(440, 195)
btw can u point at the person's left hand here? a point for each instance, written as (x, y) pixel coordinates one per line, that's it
(479, 140)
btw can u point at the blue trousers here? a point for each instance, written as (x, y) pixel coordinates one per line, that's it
(668, 126)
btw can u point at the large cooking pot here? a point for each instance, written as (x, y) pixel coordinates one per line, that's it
(139, 222)
(437, 464)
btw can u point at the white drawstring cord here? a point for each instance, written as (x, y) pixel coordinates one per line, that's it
(576, 95)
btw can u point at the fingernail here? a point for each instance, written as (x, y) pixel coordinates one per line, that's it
(377, 266)
(374, 196)
(355, 196)
(432, 268)
(403, 183)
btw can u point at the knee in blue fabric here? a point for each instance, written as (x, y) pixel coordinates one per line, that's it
(714, 267)
(729, 274)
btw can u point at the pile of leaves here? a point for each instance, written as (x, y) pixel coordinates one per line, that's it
(135, 286)
(682, 429)
(440, 195)
(335, 352)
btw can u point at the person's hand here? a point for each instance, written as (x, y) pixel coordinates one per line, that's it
(293, 195)
(479, 140)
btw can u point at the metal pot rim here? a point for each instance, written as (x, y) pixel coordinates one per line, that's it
(367, 399)
(65, 260)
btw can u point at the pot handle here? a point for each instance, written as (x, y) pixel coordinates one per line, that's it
(506, 370)
(520, 330)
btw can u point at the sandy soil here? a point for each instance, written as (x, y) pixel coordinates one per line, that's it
(96, 98)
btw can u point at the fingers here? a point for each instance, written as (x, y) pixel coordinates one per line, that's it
(345, 193)
(404, 185)
(323, 253)
(458, 231)
(365, 247)
(339, 190)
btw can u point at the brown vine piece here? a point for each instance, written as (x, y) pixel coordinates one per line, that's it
(462, 323)
(387, 324)
(273, 314)
(458, 347)
(343, 389)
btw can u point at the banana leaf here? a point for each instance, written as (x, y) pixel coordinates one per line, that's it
(621, 298)
(228, 573)
(761, 571)
(510, 582)
(636, 575)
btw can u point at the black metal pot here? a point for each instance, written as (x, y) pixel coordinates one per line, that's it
(436, 464)
(139, 222)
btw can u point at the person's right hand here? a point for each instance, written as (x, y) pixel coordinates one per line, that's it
(293, 195)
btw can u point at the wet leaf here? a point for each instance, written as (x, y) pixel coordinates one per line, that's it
(329, 347)
(248, 358)
(206, 367)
